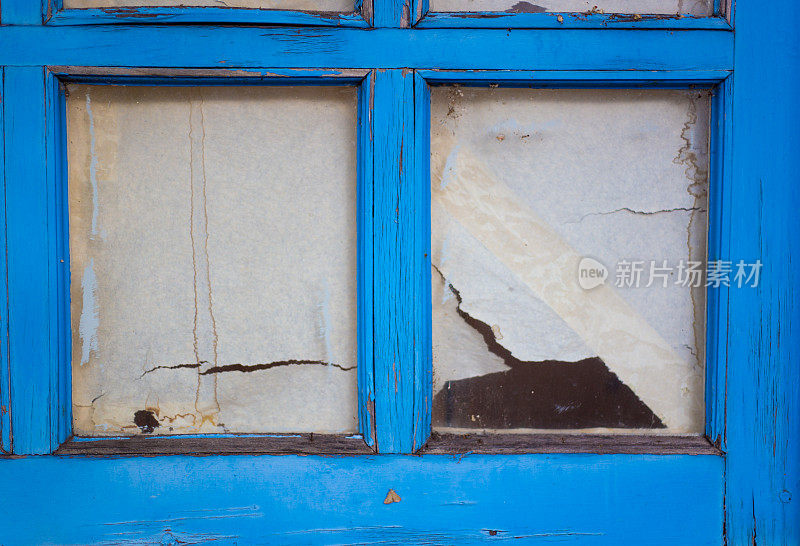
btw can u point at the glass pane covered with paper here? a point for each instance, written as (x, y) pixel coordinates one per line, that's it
(569, 259)
(212, 242)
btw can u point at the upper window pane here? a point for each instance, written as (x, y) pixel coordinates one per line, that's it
(213, 259)
(345, 6)
(642, 7)
(565, 228)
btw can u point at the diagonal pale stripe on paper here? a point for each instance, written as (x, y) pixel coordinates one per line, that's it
(548, 266)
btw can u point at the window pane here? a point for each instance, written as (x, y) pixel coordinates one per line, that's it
(213, 259)
(532, 188)
(642, 7)
(346, 6)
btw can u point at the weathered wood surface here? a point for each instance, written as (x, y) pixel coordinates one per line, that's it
(578, 499)
(509, 444)
(401, 282)
(762, 351)
(253, 444)
(241, 47)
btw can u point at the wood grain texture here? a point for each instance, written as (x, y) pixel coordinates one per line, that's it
(578, 499)
(36, 262)
(58, 251)
(510, 444)
(719, 234)
(419, 9)
(402, 267)
(495, 19)
(241, 47)
(365, 234)
(423, 374)
(392, 13)
(204, 15)
(400, 252)
(5, 398)
(243, 444)
(199, 76)
(568, 79)
(763, 395)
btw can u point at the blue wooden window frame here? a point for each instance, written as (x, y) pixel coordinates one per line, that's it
(748, 494)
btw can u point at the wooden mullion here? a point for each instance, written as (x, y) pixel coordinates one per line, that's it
(401, 254)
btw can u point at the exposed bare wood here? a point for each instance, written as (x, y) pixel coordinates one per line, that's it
(568, 443)
(300, 444)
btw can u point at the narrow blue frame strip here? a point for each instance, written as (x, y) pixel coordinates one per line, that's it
(366, 378)
(719, 233)
(5, 398)
(421, 274)
(601, 79)
(58, 215)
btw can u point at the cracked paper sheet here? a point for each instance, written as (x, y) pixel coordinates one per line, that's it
(524, 184)
(212, 257)
(698, 8)
(342, 6)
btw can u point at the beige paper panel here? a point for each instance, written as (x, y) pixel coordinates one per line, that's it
(527, 183)
(641, 7)
(345, 6)
(213, 259)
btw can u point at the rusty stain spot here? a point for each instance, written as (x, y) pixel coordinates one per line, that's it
(127, 12)
(560, 19)
(391, 497)
(635, 17)
(500, 138)
(146, 420)
(372, 432)
(526, 7)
